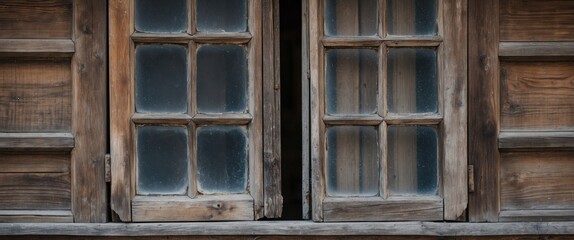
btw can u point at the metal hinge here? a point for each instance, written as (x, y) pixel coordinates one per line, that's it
(108, 164)
(470, 178)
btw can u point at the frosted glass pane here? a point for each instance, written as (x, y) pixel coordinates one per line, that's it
(221, 79)
(412, 160)
(412, 80)
(161, 16)
(411, 17)
(162, 154)
(161, 78)
(351, 17)
(351, 81)
(352, 161)
(222, 15)
(222, 159)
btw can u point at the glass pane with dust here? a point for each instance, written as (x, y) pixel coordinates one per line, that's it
(221, 15)
(221, 79)
(351, 81)
(161, 78)
(161, 16)
(222, 158)
(412, 160)
(351, 17)
(352, 161)
(412, 80)
(411, 17)
(162, 160)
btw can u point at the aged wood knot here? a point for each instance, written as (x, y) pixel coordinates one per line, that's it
(86, 29)
(218, 205)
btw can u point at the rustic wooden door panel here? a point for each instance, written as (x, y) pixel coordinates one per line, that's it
(36, 19)
(35, 95)
(52, 111)
(536, 20)
(537, 96)
(537, 180)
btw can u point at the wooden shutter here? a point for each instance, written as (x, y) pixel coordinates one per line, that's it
(521, 127)
(53, 111)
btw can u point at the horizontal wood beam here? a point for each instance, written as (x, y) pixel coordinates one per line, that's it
(370, 120)
(413, 119)
(161, 118)
(30, 46)
(224, 37)
(536, 49)
(36, 141)
(223, 119)
(536, 215)
(32, 216)
(534, 140)
(290, 228)
(351, 41)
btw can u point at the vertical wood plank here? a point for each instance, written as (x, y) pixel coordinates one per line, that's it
(273, 199)
(305, 114)
(121, 102)
(317, 145)
(89, 124)
(483, 109)
(455, 109)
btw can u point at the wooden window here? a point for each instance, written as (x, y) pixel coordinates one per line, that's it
(53, 104)
(388, 110)
(187, 110)
(521, 68)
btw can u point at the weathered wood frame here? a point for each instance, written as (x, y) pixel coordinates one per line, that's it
(451, 51)
(86, 143)
(125, 203)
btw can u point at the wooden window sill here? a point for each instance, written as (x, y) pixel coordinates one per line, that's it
(289, 228)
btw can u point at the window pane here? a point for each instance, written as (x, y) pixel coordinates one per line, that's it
(162, 154)
(222, 15)
(351, 17)
(351, 81)
(221, 79)
(411, 17)
(222, 159)
(161, 16)
(412, 80)
(352, 161)
(161, 78)
(412, 160)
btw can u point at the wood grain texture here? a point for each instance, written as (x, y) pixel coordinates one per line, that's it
(536, 49)
(36, 19)
(455, 188)
(89, 127)
(41, 191)
(305, 114)
(534, 20)
(298, 229)
(537, 181)
(122, 107)
(535, 139)
(537, 96)
(202, 208)
(23, 46)
(36, 216)
(483, 109)
(273, 200)
(42, 162)
(377, 209)
(36, 141)
(536, 215)
(36, 95)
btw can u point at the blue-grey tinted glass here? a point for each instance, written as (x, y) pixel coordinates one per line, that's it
(161, 16)
(161, 78)
(411, 17)
(221, 15)
(162, 154)
(222, 159)
(221, 79)
(412, 160)
(351, 76)
(412, 80)
(351, 17)
(352, 161)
